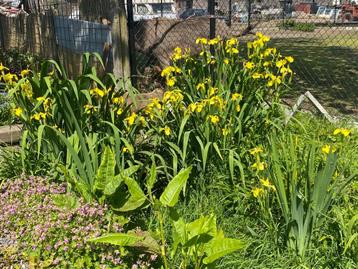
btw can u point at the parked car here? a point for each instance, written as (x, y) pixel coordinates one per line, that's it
(147, 11)
(328, 12)
(241, 17)
(193, 12)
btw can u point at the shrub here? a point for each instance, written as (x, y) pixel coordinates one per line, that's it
(44, 227)
(198, 244)
(69, 122)
(306, 184)
(218, 101)
(17, 61)
(6, 117)
(297, 26)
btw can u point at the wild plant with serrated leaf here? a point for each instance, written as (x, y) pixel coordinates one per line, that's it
(199, 244)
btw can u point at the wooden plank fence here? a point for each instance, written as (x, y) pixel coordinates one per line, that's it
(65, 39)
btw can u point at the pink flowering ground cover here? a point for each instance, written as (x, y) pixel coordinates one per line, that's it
(42, 225)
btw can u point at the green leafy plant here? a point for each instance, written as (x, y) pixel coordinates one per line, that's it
(305, 189)
(297, 26)
(6, 117)
(199, 243)
(217, 101)
(17, 61)
(69, 122)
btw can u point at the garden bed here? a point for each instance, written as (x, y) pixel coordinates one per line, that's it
(207, 174)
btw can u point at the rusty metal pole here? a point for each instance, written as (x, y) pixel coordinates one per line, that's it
(131, 41)
(230, 13)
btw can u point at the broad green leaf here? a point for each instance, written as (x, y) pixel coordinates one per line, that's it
(202, 225)
(118, 239)
(39, 139)
(130, 171)
(112, 186)
(148, 244)
(170, 196)
(151, 178)
(216, 147)
(65, 201)
(136, 198)
(121, 220)
(105, 173)
(220, 247)
(179, 234)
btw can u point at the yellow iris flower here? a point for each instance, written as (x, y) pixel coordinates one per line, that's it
(256, 150)
(326, 149)
(266, 183)
(257, 192)
(214, 119)
(260, 166)
(249, 65)
(25, 72)
(236, 96)
(166, 130)
(343, 131)
(17, 111)
(131, 119)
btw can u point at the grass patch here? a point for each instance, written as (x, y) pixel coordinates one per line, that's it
(325, 69)
(297, 26)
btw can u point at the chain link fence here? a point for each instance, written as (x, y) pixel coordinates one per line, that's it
(322, 35)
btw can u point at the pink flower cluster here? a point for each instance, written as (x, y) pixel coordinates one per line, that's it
(32, 222)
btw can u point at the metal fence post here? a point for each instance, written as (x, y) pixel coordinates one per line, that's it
(131, 41)
(211, 11)
(2, 36)
(229, 13)
(249, 15)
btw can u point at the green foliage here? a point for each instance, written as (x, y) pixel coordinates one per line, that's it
(297, 26)
(212, 123)
(69, 122)
(170, 196)
(6, 117)
(10, 163)
(17, 61)
(198, 243)
(304, 191)
(217, 101)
